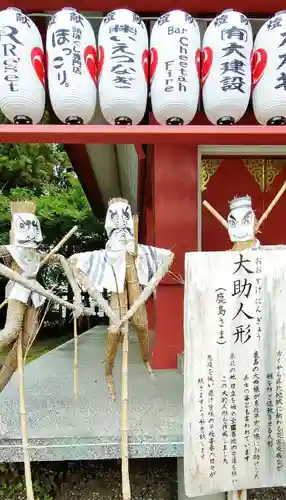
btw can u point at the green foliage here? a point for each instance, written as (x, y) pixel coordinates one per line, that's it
(43, 172)
(13, 487)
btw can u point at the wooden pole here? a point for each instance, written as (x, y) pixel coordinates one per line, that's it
(264, 216)
(136, 229)
(59, 245)
(75, 362)
(23, 419)
(49, 255)
(126, 492)
(271, 206)
(237, 495)
(215, 213)
(36, 287)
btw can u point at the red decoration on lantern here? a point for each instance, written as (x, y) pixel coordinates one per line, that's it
(38, 62)
(258, 63)
(153, 62)
(207, 59)
(90, 57)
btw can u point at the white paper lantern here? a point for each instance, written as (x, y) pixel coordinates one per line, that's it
(226, 67)
(269, 72)
(72, 66)
(22, 68)
(123, 67)
(175, 68)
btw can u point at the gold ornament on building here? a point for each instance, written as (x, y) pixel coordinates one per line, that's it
(264, 170)
(209, 167)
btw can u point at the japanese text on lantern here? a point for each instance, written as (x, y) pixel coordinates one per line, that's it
(273, 24)
(176, 72)
(123, 38)
(68, 42)
(234, 61)
(10, 41)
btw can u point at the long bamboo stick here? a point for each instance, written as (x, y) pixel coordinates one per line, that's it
(126, 491)
(75, 361)
(136, 231)
(215, 213)
(59, 245)
(264, 216)
(23, 419)
(237, 495)
(36, 287)
(271, 206)
(49, 255)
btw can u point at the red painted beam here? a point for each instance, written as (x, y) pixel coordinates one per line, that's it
(144, 134)
(246, 6)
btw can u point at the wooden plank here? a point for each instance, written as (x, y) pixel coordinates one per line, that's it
(144, 134)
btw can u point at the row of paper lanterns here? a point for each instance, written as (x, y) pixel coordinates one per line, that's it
(226, 67)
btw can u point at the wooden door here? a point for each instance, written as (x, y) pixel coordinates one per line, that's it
(259, 178)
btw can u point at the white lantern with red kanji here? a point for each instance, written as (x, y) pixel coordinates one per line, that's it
(269, 72)
(226, 67)
(175, 68)
(123, 67)
(22, 68)
(72, 66)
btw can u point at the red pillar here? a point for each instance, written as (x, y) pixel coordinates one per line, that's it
(150, 241)
(175, 206)
(149, 231)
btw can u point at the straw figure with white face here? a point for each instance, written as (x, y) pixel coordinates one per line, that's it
(122, 268)
(242, 224)
(23, 304)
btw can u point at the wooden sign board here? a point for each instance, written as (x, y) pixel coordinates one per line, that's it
(235, 340)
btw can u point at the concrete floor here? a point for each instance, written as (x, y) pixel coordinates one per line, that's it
(60, 429)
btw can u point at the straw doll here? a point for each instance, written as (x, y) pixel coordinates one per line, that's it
(122, 268)
(24, 305)
(242, 224)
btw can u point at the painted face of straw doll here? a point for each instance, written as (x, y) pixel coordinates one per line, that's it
(26, 230)
(241, 220)
(119, 223)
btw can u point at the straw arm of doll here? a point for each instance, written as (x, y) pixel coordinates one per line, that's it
(4, 254)
(60, 259)
(88, 286)
(167, 260)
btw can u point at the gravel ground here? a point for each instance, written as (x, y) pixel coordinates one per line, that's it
(267, 494)
(151, 479)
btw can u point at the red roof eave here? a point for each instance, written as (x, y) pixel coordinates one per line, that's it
(156, 6)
